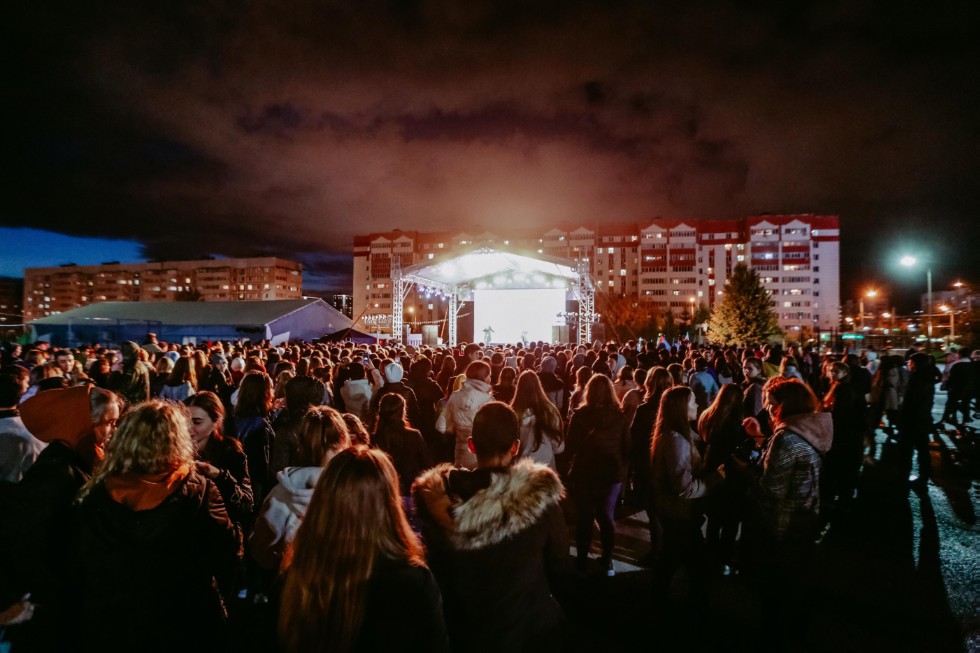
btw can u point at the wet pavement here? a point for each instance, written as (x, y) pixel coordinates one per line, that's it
(896, 572)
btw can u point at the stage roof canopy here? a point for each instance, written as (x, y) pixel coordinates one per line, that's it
(487, 268)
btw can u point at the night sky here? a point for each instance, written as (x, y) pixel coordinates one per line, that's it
(182, 129)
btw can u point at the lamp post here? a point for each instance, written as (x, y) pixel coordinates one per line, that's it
(870, 293)
(910, 261)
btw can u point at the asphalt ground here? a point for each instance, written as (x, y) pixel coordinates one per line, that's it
(898, 571)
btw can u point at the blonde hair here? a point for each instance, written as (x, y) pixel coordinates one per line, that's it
(355, 516)
(152, 437)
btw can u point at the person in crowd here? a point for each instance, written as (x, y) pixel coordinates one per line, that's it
(393, 373)
(720, 428)
(76, 423)
(753, 405)
(164, 366)
(783, 518)
(446, 375)
(132, 381)
(680, 478)
(155, 544)
(181, 383)
(551, 384)
(635, 395)
(496, 539)
(506, 385)
(885, 388)
(624, 382)
(18, 448)
(959, 387)
(676, 373)
(322, 435)
(598, 447)
(582, 376)
(357, 429)
(357, 579)
(703, 384)
(357, 390)
(915, 417)
(222, 460)
(301, 393)
(217, 378)
(541, 432)
(394, 435)
(842, 464)
(457, 415)
(657, 381)
(789, 368)
(254, 429)
(429, 395)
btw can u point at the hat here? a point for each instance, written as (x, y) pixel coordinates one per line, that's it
(394, 372)
(173, 355)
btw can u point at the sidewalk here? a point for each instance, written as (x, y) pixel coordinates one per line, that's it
(899, 572)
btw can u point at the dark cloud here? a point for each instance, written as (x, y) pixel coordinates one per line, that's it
(239, 128)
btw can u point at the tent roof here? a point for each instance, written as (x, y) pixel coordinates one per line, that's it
(487, 262)
(196, 313)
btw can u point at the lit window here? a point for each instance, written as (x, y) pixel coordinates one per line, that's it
(622, 272)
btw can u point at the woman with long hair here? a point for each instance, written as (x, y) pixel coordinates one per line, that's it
(720, 427)
(322, 434)
(395, 436)
(156, 548)
(506, 385)
(679, 478)
(598, 446)
(447, 372)
(254, 429)
(582, 376)
(220, 458)
(541, 427)
(357, 579)
(657, 382)
(181, 383)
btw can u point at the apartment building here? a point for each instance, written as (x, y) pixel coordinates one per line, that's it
(672, 264)
(49, 291)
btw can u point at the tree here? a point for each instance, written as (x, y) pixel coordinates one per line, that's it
(745, 313)
(627, 317)
(668, 327)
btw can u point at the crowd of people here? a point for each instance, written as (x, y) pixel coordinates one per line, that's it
(359, 497)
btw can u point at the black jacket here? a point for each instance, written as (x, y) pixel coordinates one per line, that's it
(151, 580)
(598, 445)
(493, 538)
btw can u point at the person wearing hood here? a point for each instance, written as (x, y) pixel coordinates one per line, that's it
(156, 548)
(357, 390)
(322, 435)
(132, 380)
(785, 500)
(36, 516)
(457, 415)
(598, 447)
(495, 538)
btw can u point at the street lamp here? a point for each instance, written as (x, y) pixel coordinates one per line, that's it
(911, 261)
(952, 323)
(870, 293)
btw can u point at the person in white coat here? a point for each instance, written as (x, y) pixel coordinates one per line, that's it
(456, 417)
(357, 391)
(322, 436)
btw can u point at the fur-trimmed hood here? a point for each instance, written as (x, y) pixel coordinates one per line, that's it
(508, 501)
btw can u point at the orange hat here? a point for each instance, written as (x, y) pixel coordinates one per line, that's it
(64, 414)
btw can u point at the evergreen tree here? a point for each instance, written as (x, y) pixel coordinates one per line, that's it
(745, 314)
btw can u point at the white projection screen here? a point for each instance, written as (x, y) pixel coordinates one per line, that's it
(512, 313)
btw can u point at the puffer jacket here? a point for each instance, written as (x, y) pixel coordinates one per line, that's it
(457, 417)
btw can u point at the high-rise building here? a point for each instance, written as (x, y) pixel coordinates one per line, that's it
(49, 291)
(11, 295)
(672, 264)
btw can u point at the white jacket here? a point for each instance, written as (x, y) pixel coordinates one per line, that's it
(545, 454)
(281, 514)
(357, 397)
(457, 417)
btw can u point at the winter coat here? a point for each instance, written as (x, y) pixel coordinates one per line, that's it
(151, 577)
(257, 437)
(679, 477)
(554, 389)
(403, 610)
(411, 402)
(281, 515)
(233, 480)
(18, 448)
(598, 446)
(787, 491)
(494, 537)
(177, 393)
(548, 449)
(409, 454)
(457, 417)
(428, 393)
(357, 397)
